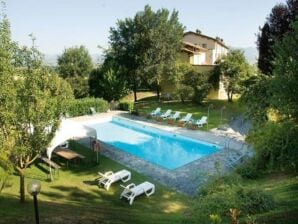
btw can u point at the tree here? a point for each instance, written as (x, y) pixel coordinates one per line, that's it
(265, 56)
(166, 33)
(277, 24)
(32, 100)
(285, 81)
(75, 65)
(235, 70)
(107, 81)
(7, 97)
(145, 47)
(256, 98)
(188, 83)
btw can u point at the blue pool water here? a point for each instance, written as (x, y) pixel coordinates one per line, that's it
(154, 145)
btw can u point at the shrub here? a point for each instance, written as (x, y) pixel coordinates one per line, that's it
(254, 200)
(221, 194)
(275, 145)
(248, 169)
(78, 107)
(126, 106)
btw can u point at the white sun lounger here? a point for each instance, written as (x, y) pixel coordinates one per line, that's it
(202, 121)
(131, 191)
(109, 177)
(166, 114)
(187, 118)
(155, 112)
(175, 116)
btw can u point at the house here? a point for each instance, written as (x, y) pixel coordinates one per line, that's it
(202, 52)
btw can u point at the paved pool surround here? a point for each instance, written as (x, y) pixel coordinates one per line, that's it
(186, 179)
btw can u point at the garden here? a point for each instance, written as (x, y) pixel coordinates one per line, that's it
(34, 97)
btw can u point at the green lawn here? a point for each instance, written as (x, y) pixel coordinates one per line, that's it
(74, 197)
(231, 110)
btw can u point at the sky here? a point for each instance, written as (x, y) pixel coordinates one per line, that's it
(59, 24)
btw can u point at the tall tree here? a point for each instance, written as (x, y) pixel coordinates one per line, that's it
(32, 100)
(277, 24)
(285, 82)
(265, 56)
(75, 65)
(107, 81)
(7, 93)
(145, 47)
(234, 69)
(166, 33)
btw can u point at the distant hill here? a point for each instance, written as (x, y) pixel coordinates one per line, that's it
(51, 59)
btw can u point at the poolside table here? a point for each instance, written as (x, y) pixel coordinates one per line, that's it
(67, 154)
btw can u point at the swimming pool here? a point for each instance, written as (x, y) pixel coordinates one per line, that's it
(159, 147)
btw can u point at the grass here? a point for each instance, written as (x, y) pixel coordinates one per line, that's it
(285, 191)
(140, 95)
(146, 105)
(74, 197)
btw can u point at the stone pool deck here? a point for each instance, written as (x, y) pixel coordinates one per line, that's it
(188, 178)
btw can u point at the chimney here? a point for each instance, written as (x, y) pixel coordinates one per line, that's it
(198, 31)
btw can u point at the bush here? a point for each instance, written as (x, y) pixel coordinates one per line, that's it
(221, 194)
(275, 145)
(249, 169)
(126, 106)
(254, 200)
(78, 107)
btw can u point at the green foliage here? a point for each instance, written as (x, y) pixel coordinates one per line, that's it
(75, 61)
(221, 194)
(254, 200)
(32, 100)
(79, 86)
(249, 169)
(234, 70)
(184, 92)
(276, 26)
(285, 81)
(79, 107)
(189, 84)
(75, 65)
(256, 98)
(126, 106)
(275, 145)
(215, 218)
(146, 46)
(107, 81)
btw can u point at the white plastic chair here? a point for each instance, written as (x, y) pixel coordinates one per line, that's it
(187, 118)
(131, 191)
(166, 114)
(109, 177)
(175, 116)
(155, 112)
(202, 121)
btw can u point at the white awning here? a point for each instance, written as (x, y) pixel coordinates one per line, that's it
(69, 129)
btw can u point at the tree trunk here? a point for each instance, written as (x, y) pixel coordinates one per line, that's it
(135, 90)
(230, 96)
(158, 93)
(22, 186)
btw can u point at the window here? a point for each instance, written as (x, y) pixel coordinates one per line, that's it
(204, 45)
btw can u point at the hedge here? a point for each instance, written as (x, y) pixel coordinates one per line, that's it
(78, 107)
